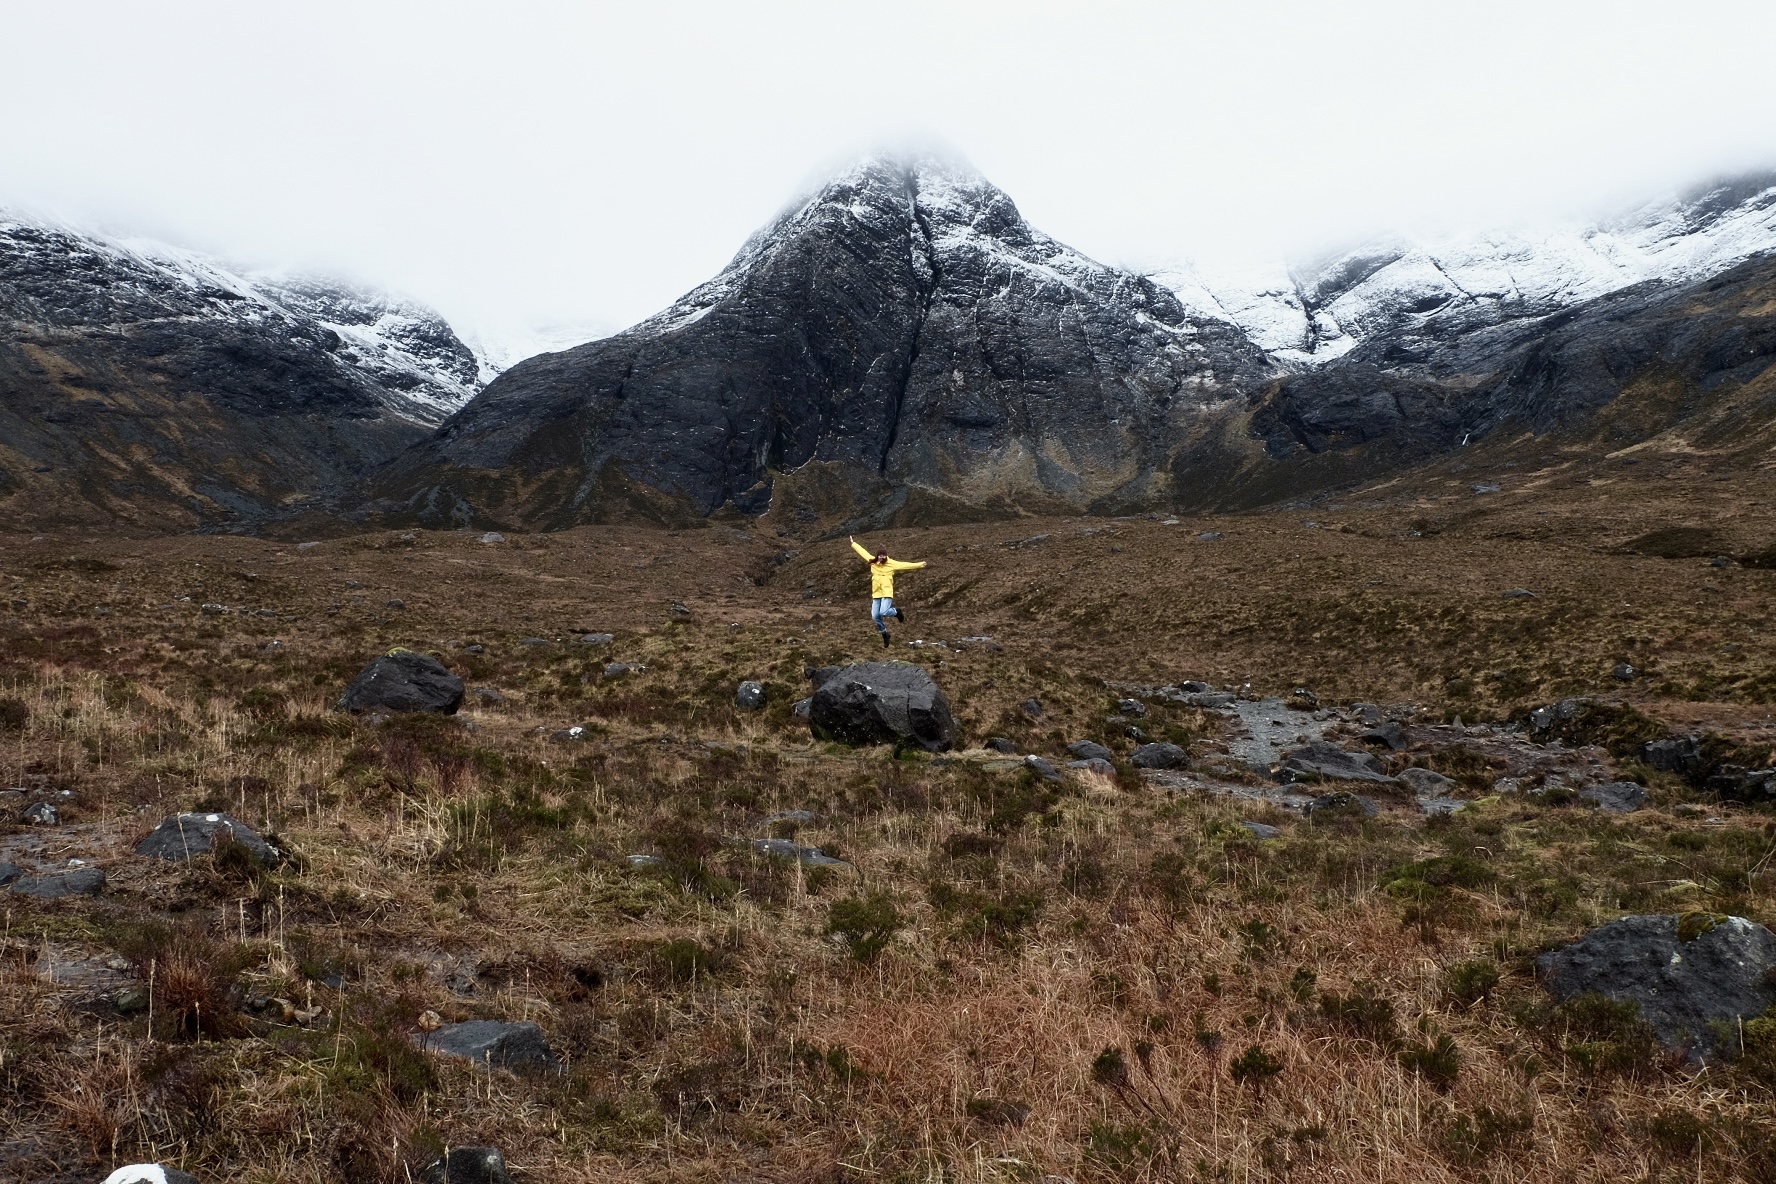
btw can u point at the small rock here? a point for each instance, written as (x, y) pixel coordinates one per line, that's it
(129, 1000)
(534, 641)
(1520, 594)
(86, 881)
(41, 814)
(1031, 708)
(9, 872)
(492, 1044)
(1692, 975)
(1262, 830)
(1369, 713)
(307, 546)
(598, 639)
(493, 536)
(1389, 733)
(577, 732)
(680, 607)
(639, 861)
(1625, 672)
(215, 610)
(1302, 699)
(467, 1165)
(617, 669)
(1033, 541)
(750, 696)
(489, 696)
(1041, 767)
(1161, 755)
(1485, 487)
(1426, 781)
(793, 817)
(1616, 797)
(1132, 707)
(1721, 561)
(272, 647)
(397, 604)
(1000, 744)
(150, 1173)
(186, 836)
(1338, 803)
(1098, 765)
(402, 680)
(1089, 750)
(1209, 536)
(785, 849)
(804, 708)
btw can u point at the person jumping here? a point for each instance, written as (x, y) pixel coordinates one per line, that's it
(882, 571)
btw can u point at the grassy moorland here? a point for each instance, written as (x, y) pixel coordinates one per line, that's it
(1016, 979)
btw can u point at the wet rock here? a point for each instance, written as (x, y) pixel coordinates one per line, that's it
(785, 849)
(750, 696)
(1262, 831)
(1001, 745)
(1094, 764)
(85, 881)
(883, 703)
(1688, 973)
(150, 1173)
(1425, 781)
(402, 680)
(1324, 759)
(1674, 754)
(1389, 733)
(1160, 755)
(492, 1044)
(1617, 797)
(41, 814)
(1086, 750)
(186, 836)
(1042, 767)
(467, 1165)
(1335, 804)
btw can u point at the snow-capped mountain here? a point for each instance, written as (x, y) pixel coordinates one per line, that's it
(902, 331)
(1312, 314)
(402, 348)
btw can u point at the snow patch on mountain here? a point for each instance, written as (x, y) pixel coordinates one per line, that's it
(406, 349)
(1309, 314)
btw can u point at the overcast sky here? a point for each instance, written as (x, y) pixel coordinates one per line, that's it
(516, 162)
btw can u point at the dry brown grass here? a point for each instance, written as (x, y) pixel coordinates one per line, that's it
(1042, 927)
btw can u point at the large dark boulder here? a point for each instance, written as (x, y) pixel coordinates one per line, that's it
(883, 703)
(186, 836)
(493, 1044)
(1323, 760)
(84, 881)
(1689, 974)
(1159, 755)
(402, 680)
(467, 1165)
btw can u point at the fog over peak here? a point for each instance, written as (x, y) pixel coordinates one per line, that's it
(559, 164)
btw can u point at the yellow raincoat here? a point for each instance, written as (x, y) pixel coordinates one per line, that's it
(882, 574)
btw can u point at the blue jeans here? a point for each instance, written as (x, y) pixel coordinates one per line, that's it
(883, 606)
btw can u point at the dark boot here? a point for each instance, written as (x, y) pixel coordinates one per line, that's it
(900, 614)
(885, 639)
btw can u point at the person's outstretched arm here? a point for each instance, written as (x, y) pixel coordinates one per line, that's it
(903, 565)
(862, 551)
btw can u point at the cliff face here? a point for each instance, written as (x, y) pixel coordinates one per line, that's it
(156, 388)
(903, 343)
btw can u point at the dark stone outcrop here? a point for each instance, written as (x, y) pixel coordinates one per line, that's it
(492, 1044)
(186, 836)
(1086, 750)
(402, 680)
(902, 345)
(1617, 797)
(1688, 973)
(883, 703)
(84, 881)
(1159, 755)
(1322, 759)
